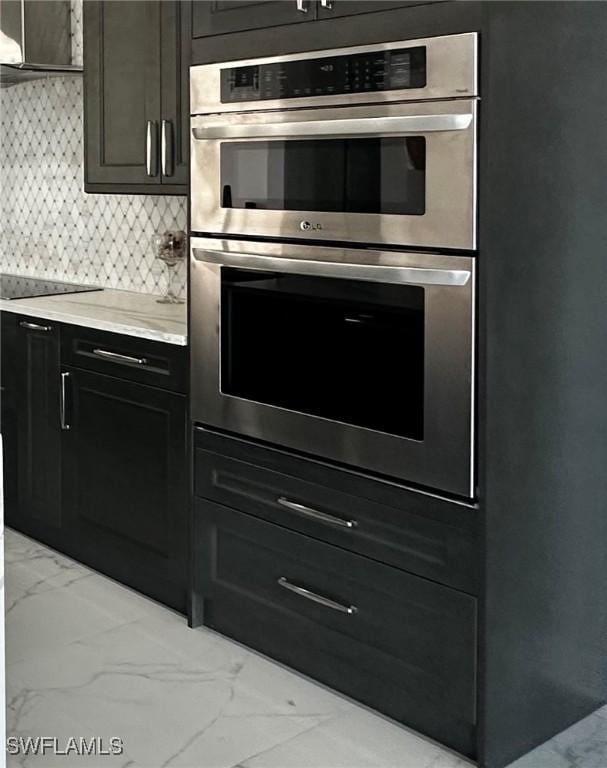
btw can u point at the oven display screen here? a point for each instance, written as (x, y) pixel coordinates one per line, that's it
(360, 73)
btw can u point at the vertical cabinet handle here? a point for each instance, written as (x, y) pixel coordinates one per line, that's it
(62, 403)
(151, 150)
(328, 4)
(302, 6)
(166, 148)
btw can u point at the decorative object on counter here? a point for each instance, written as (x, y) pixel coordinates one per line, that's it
(170, 248)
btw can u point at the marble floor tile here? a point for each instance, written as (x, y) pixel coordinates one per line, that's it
(357, 739)
(89, 657)
(53, 618)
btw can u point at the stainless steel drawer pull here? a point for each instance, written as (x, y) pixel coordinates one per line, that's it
(327, 602)
(316, 514)
(302, 6)
(62, 406)
(328, 4)
(35, 326)
(116, 357)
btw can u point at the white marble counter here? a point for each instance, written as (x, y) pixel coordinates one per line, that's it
(134, 314)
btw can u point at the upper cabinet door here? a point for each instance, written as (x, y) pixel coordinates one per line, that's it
(175, 25)
(219, 18)
(333, 8)
(122, 92)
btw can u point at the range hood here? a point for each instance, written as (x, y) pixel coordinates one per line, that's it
(34, 40)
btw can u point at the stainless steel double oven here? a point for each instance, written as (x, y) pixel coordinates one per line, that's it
(333, 217)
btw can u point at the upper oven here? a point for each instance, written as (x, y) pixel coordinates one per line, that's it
(371, 145)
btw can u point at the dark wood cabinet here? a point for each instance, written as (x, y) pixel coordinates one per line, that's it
(229, 16)
(175, 26)
(210, 18)
(336, 8)
(125, 482)
(36, 380)
(229, 31)
(136, 96)
(396, 642)
(8, 414)
(407, 563)
(96, 450)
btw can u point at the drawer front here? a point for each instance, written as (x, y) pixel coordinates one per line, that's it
(396, 642)
(402, 533)
(126, 357)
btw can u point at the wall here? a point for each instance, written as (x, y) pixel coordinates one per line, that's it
(48, 226)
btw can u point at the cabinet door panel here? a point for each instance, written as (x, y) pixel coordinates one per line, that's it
(175, 90)
(220, 18)
(122, 90)
(37, 400)
(125, 483)
(352, 7)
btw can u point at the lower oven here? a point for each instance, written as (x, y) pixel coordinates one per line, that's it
(361, 357)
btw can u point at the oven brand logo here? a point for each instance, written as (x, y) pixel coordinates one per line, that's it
(308, 226)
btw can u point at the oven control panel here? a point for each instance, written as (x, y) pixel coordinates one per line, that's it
(369, 72)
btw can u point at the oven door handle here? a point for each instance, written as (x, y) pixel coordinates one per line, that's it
(369, 272)
(361, 126)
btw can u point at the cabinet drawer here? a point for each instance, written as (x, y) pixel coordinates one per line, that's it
(404, 529)
(126, 357)
(400, 644)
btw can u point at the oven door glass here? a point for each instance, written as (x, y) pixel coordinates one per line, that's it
(344, 350)
(349, 175)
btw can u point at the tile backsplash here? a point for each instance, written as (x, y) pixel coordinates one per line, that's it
(49, 227)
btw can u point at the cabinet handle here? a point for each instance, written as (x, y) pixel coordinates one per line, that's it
(118, 358)
(302, 6)
(150, 149)
(315, 598)
(166, 148)
(35, 326)
(62, 403)
(315, 514)
(328, 4)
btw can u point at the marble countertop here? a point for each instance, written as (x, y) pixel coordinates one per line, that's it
(133, 314)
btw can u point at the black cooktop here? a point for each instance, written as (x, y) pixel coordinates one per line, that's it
(17, 287)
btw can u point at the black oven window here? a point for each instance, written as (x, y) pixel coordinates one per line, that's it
(373, 175)
(345, 350)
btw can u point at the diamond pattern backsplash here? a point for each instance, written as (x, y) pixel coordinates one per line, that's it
(49, 227)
